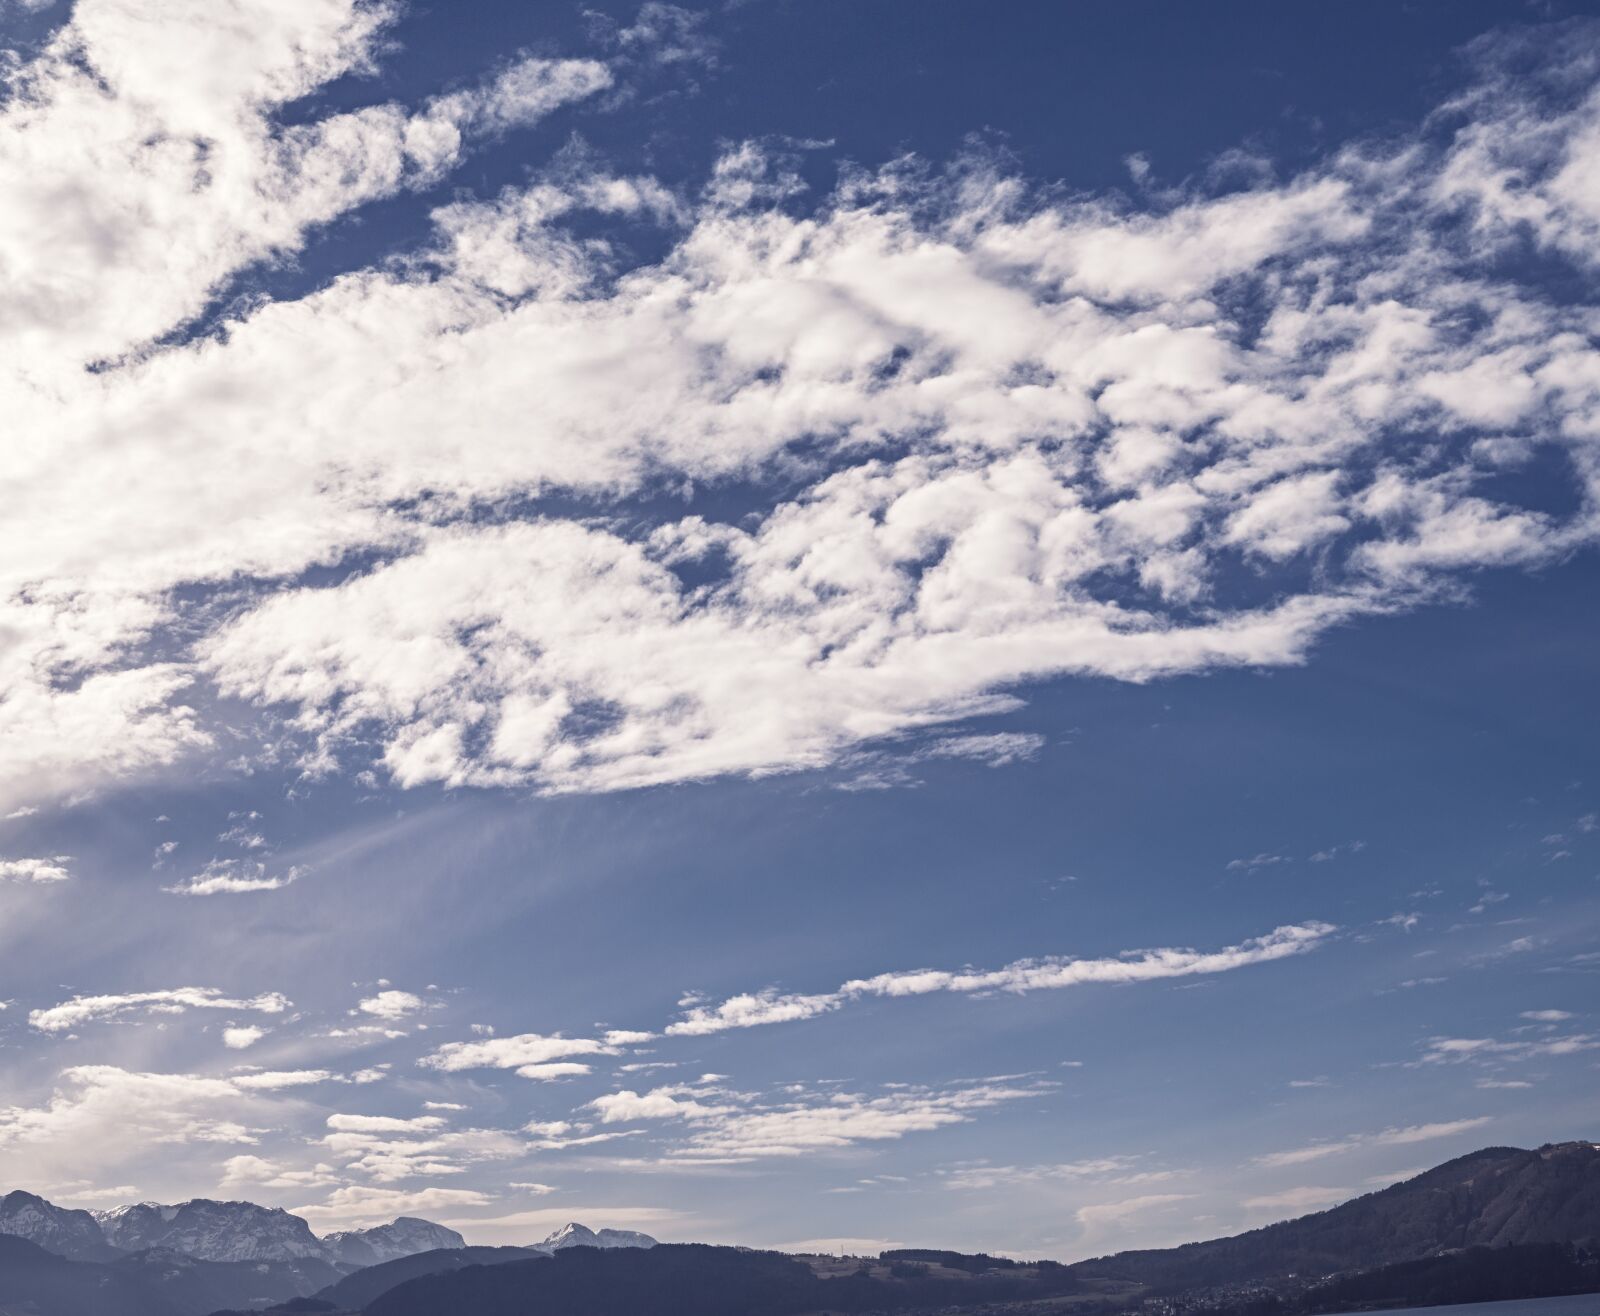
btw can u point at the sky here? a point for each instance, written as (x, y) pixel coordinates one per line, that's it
(811, 625)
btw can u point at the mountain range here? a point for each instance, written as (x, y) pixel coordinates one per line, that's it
(201, 1256)
(210, 1231)
(1502, 1222)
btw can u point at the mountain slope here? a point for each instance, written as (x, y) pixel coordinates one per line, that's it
(191, 1287)
(1494, 1197)
(354, 1292)
(405, 1236)
(212, 1231)
(72, 1234)
(685, 1279)
(151, 1283)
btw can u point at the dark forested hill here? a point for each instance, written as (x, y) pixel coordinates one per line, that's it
(151, 1283)
(670, 1280)
(1492, 1198)
(354, 1292)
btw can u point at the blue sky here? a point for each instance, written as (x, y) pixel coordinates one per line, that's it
(797, 623)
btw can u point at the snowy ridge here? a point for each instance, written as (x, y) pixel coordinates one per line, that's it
(208, 1230)
(212, 1231)
(67, 1233)
(405, 1237)
(573, 1234)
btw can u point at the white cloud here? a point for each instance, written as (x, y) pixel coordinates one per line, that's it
(1039, 430)
(34, 870)
(224, 877)
(101, 1116)
(359, 1205)
(389, 1149)
(995, 750)
(1257, 861)
(270, 1080)
(983, 1177)
(391, 1004)
(1395, 1137)
(729, 1128)
(89, 1009)
(548, 1128)
(246, 1172)
(243, 1036)
(767, 1007)
(526, 1050)
(548, 1072)
(1456, 1050)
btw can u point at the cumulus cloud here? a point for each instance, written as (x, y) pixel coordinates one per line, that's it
(242, 1036)
(35, 870)
(391, 1004)
(246, 1172)
(101, 1115)
(90, 1009)
(751, 1010)
(1037, 432)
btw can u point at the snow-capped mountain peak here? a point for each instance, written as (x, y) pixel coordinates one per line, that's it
(573, 1234)
(67, 1233)
(212, 1231)
(208, 1230)
(403, 1237)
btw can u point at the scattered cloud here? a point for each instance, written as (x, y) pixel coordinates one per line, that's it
(271, 1080)
(771, 1006)
(1257, 861)
(1395, 1137)
(226, 877)
(1039, 429)
(526, 1051)
(360, 1205)
(104, 1116)
(1456, 1050)
(729, 1127)
(81, 1010)
(245, 1172)
(391, 1004)
(35, 870)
